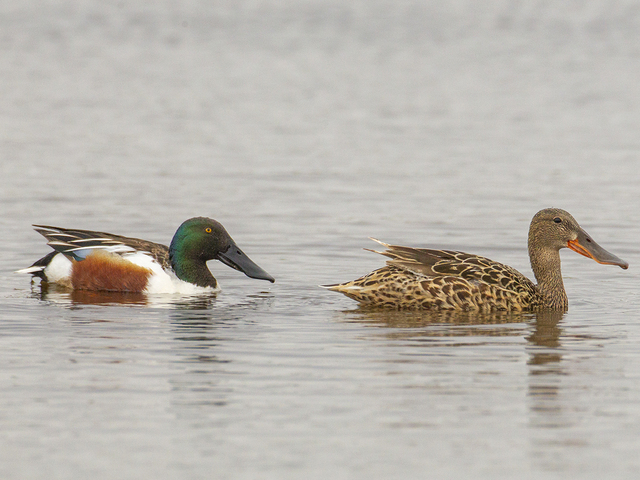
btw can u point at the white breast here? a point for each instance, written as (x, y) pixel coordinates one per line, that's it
(165, 281)
(160, 281)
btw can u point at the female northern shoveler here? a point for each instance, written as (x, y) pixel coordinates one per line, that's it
(442, 279)
(86, 260)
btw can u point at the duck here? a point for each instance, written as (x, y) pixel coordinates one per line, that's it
(99, 261)
(423, 278)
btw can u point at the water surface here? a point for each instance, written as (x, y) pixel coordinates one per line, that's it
(305, 128)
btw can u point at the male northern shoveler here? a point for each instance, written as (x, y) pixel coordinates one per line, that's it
(87, 260)
(443, 279)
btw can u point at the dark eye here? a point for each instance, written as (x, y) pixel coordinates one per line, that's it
(557, 220)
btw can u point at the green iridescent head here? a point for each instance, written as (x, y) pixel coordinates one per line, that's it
(201, 239)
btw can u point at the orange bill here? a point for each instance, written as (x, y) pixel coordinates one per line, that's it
(584, 245)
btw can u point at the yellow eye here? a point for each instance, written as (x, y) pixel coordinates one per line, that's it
(208, 229)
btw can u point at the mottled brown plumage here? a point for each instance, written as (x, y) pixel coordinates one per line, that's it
(448, 280)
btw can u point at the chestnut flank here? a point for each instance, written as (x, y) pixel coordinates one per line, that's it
(108, 272)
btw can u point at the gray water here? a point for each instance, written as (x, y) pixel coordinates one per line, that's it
(306, 127)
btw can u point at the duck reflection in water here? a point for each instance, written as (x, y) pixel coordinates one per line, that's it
(435, 330)
(544, 340)
(546, 372)
(54, 293)
(416, 324)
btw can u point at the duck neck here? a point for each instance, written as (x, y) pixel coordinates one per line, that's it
(191, 270)
(545, 264)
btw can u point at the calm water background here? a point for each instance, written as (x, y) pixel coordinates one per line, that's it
(306, 127)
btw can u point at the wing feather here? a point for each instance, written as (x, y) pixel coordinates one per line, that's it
(76, 243)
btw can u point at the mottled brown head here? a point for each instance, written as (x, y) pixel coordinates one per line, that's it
(553, 229)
